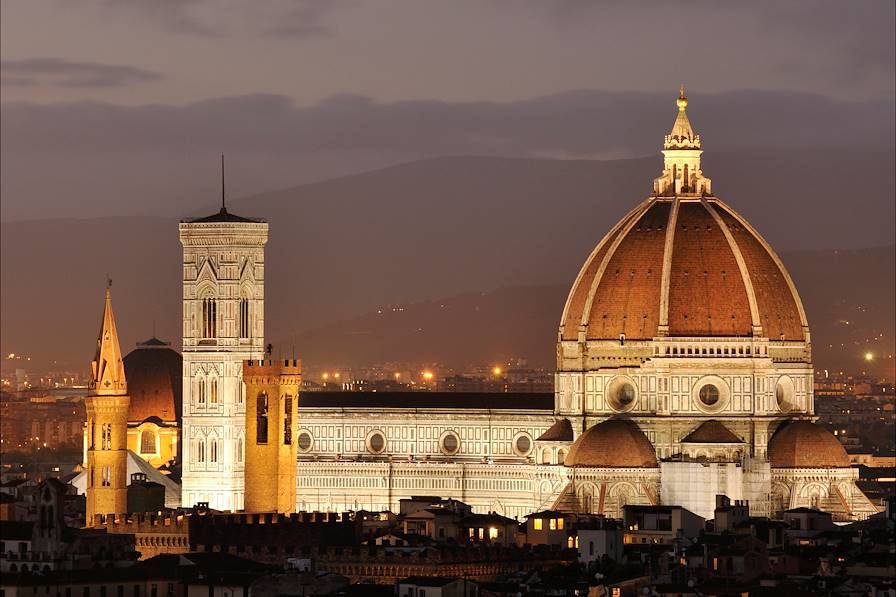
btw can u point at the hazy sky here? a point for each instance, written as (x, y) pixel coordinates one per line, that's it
(169, 51)
(121, 107)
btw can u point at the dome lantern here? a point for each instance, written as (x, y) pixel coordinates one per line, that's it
(681, 158)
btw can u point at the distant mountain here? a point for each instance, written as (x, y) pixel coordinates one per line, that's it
(429, 229)
(848, 296)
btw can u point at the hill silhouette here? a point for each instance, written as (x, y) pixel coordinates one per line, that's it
(433, 230)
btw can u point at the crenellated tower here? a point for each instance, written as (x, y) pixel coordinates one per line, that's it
(107, 414)
(272, 393)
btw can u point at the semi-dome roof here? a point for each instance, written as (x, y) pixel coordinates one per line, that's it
(614, 443)
(803, 444)
(154, 373)
(683, 264)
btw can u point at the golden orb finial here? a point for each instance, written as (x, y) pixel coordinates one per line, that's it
(682, 100)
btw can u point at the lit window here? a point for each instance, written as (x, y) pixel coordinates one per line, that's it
(147, 442)
(539, 525)
(552, 523)
(493, 533)
(560, 523)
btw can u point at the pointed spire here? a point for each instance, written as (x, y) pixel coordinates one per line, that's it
(107, 368)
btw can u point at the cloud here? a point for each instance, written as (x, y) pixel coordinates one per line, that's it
(216, 18)
(64, 73)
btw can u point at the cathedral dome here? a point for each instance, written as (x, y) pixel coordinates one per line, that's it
(154, 372)
(683, 264)
(803, 444)
(615, 443)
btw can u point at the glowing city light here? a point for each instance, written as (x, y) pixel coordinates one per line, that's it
(397, 375)
(869, 356)
(497, 371)
(326, 376)
(427, 375)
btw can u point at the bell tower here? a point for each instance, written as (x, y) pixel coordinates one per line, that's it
(223, 325)
(272, 394)
(107, 415)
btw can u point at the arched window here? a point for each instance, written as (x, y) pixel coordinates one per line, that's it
(239, 449)
(213, 450)
(200, 450)
(209, 318)
(201, 391)
(107, 436)
(261, 419)
(244, 317)
(147, 442)
(213, 391)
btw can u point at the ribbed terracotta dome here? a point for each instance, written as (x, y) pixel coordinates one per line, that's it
(722, 280)
(802, 444)
(615, 443)
(154, 372)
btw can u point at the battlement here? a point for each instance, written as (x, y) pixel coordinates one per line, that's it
(271, 368)
(142, 522)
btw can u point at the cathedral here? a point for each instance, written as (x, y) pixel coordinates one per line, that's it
(684, 370)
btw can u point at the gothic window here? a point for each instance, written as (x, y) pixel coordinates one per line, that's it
(287, 420)
(213, 391)
(90, 473)
(244, 317)
(107, 475)
(201, 391)
(147, 442)
(239, 449)
(261, 419)
(209, 318)
(107, 436)
(90, 434)
(213, 450)
(200, 450)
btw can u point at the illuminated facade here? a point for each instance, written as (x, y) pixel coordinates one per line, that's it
(683, 371)
(223, 325)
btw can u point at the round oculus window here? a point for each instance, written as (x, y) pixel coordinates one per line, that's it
(450, 443)
(784, 394)
(304, 441)
(522, 444)
(625, 394)
(621, 394)
(376, 442)
(709, 395)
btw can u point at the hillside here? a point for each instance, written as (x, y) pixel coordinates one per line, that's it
(426, 230)
(846, 317)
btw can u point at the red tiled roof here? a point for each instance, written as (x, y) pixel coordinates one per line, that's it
(708, 293)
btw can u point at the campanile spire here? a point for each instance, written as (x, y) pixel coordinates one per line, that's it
(681, 153)
(107, 368)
